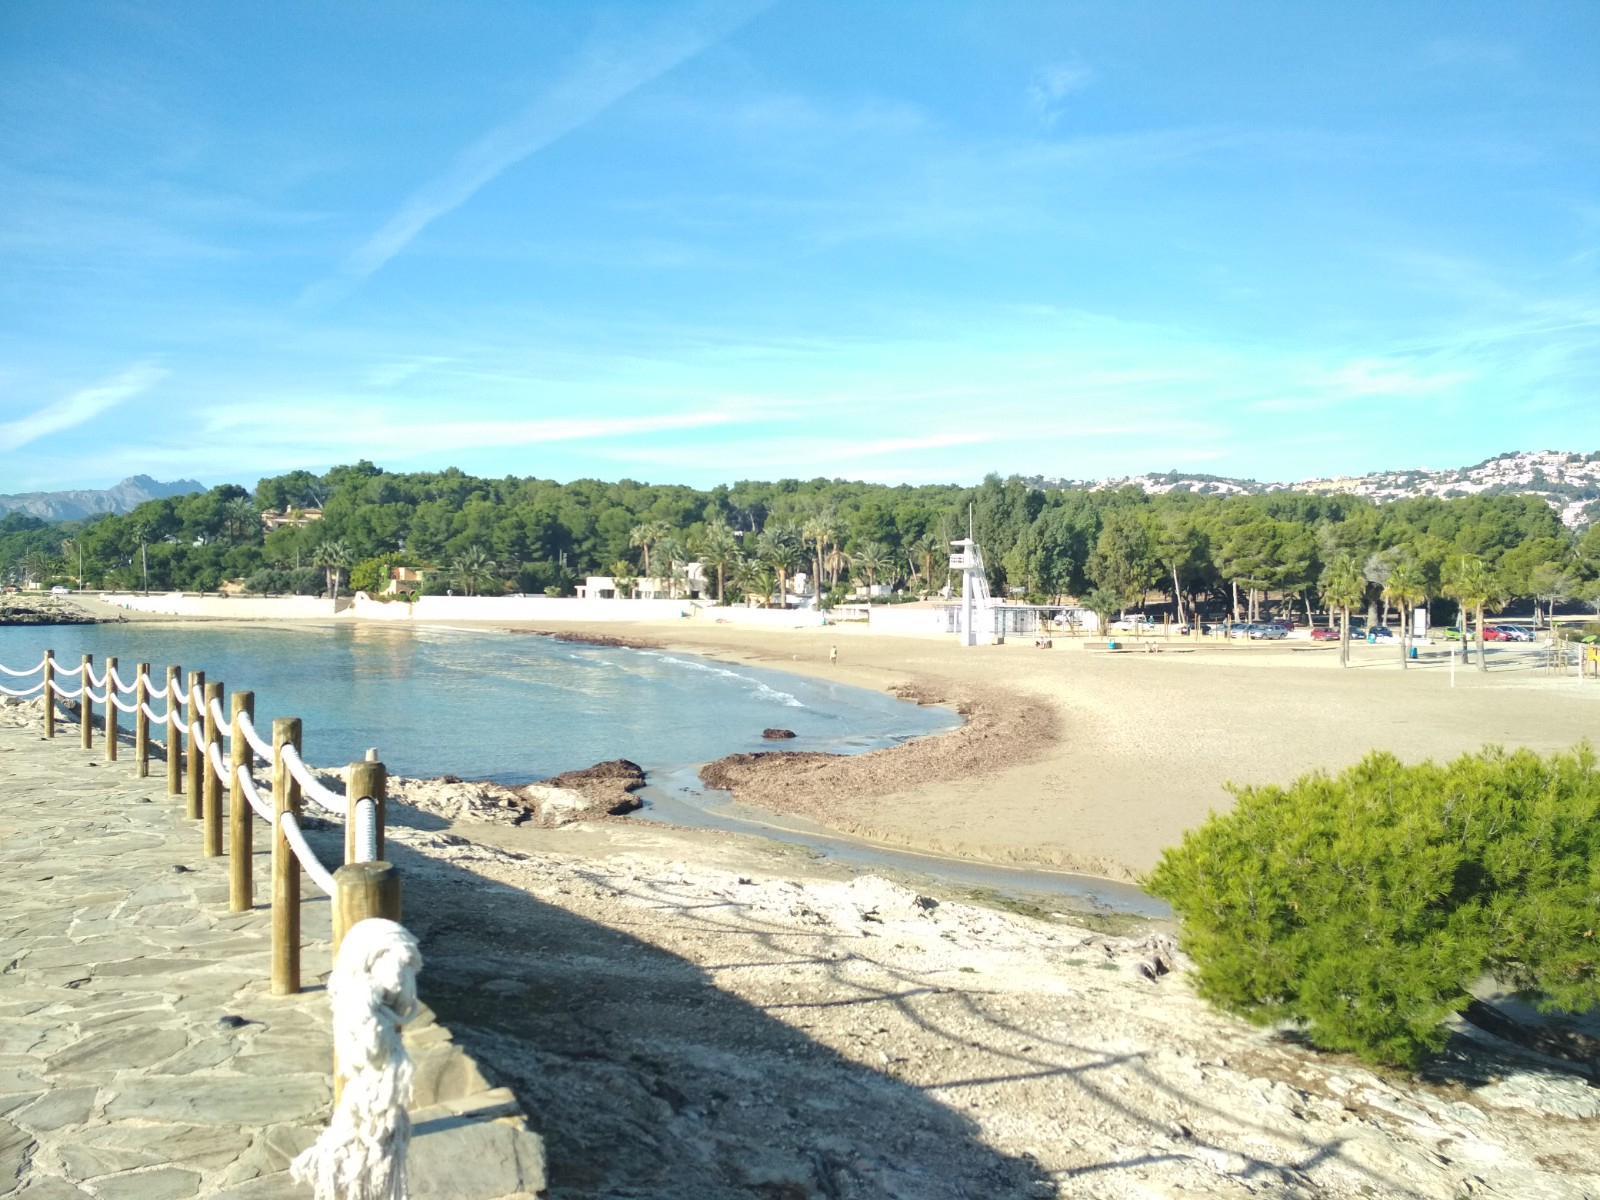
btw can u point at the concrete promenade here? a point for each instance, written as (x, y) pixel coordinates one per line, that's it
(142, 1055)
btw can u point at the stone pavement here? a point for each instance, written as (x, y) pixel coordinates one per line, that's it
(142, 1054)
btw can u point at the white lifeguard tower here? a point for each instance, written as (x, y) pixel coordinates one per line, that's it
(976, 620)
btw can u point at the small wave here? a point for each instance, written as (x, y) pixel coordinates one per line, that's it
(761, 689)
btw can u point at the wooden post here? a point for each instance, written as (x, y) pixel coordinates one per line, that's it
(211, 794)
(174, 738)
(194, 697)
(86, 706)
(363, 890)
(368, 780)
(141, 721)
(49, 693)
(285, 870)
(241, 819)
(111, 710)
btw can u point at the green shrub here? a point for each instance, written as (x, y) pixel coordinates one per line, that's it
(1362, 906)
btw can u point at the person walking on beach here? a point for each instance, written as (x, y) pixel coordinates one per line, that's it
(833, 656)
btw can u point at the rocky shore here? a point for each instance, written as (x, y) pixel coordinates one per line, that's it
(35, 609)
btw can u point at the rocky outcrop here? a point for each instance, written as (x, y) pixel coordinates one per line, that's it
(777, 735)
(607, 785)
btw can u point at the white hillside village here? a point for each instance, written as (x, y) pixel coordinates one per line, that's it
(1569, 482)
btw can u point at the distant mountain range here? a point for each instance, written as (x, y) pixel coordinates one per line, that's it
(1568, 482)
(79, 503)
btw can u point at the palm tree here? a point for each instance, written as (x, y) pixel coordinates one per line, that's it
(334, 558)
(719, 549)
(779, 548)
(819, 530)
(472, 570)
(874, 559)
(1468, 582)
(922, 552)
(241, 517)
(754, 578)
(1344, 586)
(35, 566)
(1405, 588)
(644, 535)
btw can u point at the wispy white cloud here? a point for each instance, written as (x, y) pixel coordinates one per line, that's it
(1052, 84)
(601, 76)
(74, 410)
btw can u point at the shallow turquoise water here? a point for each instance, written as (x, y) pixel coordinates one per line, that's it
(508, 707)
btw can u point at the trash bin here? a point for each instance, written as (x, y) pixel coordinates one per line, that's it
(1413, 652)
(1372, 638)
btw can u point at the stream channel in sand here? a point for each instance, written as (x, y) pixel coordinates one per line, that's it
(516, 709)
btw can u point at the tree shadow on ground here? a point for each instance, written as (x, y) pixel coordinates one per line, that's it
(645, 1079)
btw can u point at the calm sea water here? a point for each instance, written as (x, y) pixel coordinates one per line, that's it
(508, 707)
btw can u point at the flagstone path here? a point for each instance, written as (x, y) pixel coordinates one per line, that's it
(142, 1054)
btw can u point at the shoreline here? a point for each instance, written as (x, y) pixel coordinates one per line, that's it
(1084, 762)
(996, 731)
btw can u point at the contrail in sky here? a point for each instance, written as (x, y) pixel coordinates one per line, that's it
(601, 76)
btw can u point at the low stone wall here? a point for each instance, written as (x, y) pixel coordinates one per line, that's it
(242, 608)
(428, 608)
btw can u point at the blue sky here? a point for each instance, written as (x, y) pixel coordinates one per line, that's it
(700, 242)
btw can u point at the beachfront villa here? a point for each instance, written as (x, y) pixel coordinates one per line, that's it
(407, 579)
(691, 585)
(273, 519)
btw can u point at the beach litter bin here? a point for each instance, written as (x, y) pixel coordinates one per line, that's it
(1372, 638)
(1413, 653)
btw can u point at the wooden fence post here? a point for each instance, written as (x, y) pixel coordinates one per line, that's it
(194, 697)
(211, 795)
(49, 693)
(111, 710)
(174, 739)
(362, 890)
(85, 706)
(285, 869)
(241, 821)
(141, 721)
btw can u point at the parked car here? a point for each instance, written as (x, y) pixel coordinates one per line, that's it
(1381, 632)
(1514, 633)
(59, 590)
(1270, 632)
(1493, 633)
(1450, 635)
(1135, 621)
(1325, 633)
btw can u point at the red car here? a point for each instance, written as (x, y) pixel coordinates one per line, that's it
(1325, 633)
(1491, 634)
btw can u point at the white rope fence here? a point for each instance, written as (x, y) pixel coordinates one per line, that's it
(188, 705)
(362, 1153)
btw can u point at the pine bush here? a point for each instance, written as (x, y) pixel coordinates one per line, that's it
(1361, 906)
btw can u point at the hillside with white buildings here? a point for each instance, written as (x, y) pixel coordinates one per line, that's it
(1568, 481)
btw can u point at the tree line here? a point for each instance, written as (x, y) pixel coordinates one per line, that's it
(1112, 549)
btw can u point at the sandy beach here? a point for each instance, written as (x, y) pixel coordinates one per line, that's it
(702, 1019)
(1092, 761)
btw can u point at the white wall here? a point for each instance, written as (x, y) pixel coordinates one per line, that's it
(427, 608)
(903, 620)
